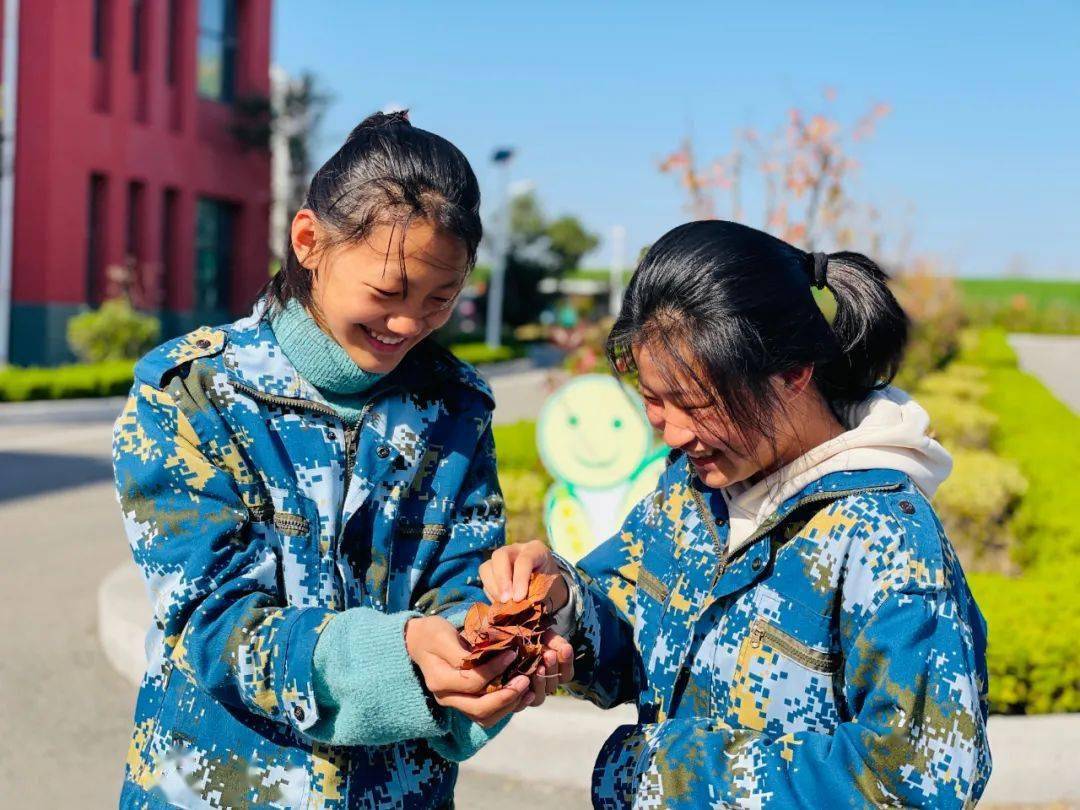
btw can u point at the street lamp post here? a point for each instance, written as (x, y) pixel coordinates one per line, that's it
(7, 170)
(493, 332)
(618, 254)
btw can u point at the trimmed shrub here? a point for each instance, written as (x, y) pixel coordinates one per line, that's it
(515, 446)
(524, 492)
(956, 422)
(1034, 619)
(114, 331)
(959, 380)
(66, 382)
(975, 504)
(479, 354)
(1042, 435)
(933, 304)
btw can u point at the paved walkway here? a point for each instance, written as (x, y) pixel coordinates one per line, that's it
(1054, 359)
(65, 713)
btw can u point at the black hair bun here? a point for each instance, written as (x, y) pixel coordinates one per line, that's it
(381, 119)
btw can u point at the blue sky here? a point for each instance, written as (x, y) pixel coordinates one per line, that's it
(979, 160)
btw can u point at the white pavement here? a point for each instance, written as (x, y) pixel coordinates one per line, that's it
(1054, 359)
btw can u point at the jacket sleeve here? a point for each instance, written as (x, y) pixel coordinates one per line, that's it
(214, 585)
(914, 678)
(478, 527)
(608, 670)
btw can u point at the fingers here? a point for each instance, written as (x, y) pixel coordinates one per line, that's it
(534, 556)
(564, 655)
(506, 575)
(490, 708)
(443, 678)
(539, 688)
(487, 579)
(502, 575)
(551, 672)
(526, 701)
(523, 569)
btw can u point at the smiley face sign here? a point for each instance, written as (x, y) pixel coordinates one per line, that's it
(594, 439)
(593, 433)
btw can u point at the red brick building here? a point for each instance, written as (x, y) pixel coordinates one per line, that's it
(127, 154)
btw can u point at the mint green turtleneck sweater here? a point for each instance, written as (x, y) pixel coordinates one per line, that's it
(361, 651)
(322, 361)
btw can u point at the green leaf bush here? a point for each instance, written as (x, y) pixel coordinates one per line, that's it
(1034, 618)
(114, 331)
(479, 354)
(975, 504)
(107, 379)
(958, 423)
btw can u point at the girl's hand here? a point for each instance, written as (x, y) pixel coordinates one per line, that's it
(435, 646)
(558, 668)
(506, 575)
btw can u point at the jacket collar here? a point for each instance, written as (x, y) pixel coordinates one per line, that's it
(254, 358)
(829, 487)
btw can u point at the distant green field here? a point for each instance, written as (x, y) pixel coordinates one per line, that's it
(976, 290)
(1038, 293)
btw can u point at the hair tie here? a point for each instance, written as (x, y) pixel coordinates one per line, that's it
(820, 266)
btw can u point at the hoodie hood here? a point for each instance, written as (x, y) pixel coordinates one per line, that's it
(887, 430)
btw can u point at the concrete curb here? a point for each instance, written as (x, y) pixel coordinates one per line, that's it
(123, 618)
(1034, 757)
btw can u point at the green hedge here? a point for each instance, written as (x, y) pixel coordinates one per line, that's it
(1034, 619)
(515, 446)
(480, 353)
(524, 481)
(111, 378)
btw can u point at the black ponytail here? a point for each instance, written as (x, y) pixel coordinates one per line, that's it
(870, 328)
(733, 306)
(386, 172)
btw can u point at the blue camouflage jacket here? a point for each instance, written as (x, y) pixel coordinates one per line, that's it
(835, 659)
(255, 515)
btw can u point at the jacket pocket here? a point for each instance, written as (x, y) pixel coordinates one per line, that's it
(782, 685)
(306, 571)
(651, 585)
(764, 633)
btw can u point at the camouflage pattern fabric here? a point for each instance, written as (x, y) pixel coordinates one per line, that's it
(835, 659)
(255, 514)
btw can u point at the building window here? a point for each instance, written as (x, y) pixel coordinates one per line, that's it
(215, 230)
(170, 210)
(172, 41)
(99, 37)
(138, 35)
(133, 243)
(95, 231)
(217, 49)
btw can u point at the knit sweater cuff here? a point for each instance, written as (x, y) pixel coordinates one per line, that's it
(464, 737)
(366, 688)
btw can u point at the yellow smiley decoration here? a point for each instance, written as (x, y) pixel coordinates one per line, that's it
(596, 443)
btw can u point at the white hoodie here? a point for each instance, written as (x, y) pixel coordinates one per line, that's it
(888, 430)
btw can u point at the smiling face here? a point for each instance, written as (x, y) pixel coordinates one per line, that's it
(361, 298)
(682, 413)
(592, 432)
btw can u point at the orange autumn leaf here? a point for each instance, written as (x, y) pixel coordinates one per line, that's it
(515, 625)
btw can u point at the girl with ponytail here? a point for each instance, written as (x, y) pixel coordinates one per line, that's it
(784, 609)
